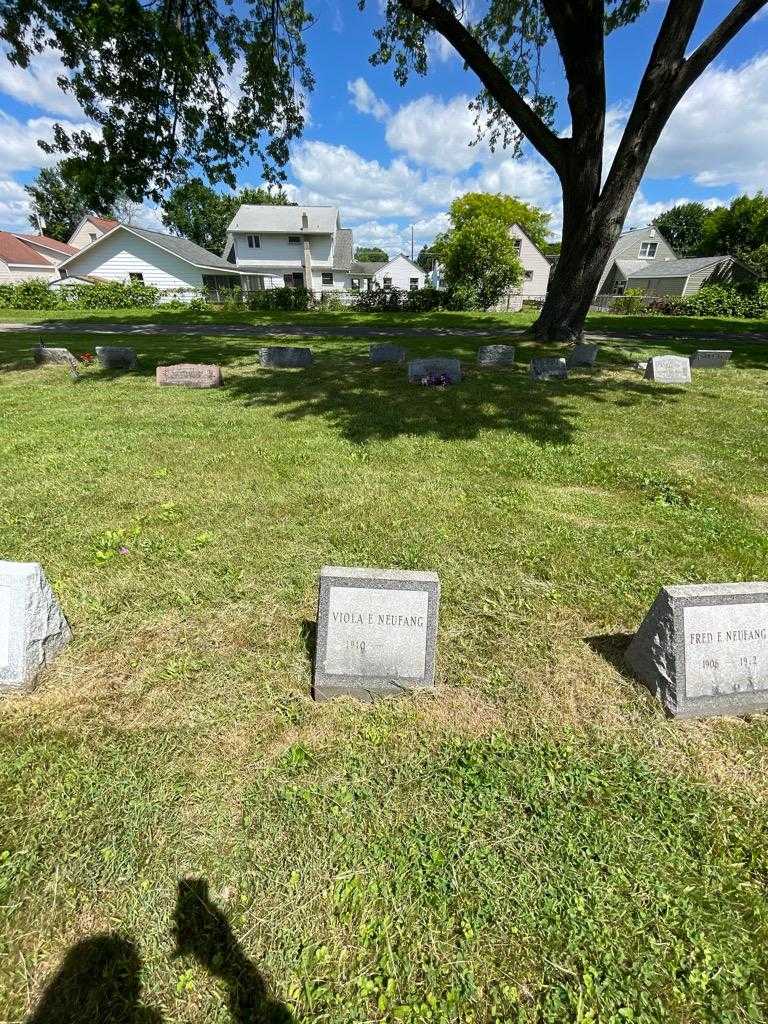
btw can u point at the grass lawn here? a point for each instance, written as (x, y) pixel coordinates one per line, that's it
(534, 842)
(679, 325)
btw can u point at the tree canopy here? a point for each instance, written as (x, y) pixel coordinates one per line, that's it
(508, 210)
(480, 260)
(371, 254)
(202, 214)
(58, 204)
(739, 229)
(683, 228)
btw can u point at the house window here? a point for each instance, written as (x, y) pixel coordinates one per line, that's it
(355, 284)
(517, 243)
(254, 242)
(529, 275)
(136, 278)
(620, 287)
(387, 283)
(92, 236)
(293, 280)
(648, 250)
(294, 240)
(414, 284)
(220, 282)
(327, 278)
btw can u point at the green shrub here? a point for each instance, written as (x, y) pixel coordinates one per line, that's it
(103, 295)
(727, 300)
(282, 300)
(332, 302)
(631, 303)
(32, 294)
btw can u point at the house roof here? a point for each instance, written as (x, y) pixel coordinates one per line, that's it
(321, 220)
(342, 249)
(401, 256)
(49, 243)
(16, 252)
(365, 269)
(676, 268)
(188, 251)
(627, 267)
(103, 223)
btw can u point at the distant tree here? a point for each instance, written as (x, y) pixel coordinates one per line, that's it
(738, 229)
(371, 254)
(58, 204)
(683, 227)
(508, 210)
(758, 260)
(427, 257)
(551, 248)
(480, 260)
(200, 213)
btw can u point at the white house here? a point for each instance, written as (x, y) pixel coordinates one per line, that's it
(128, 253)
(401, 272)
(636, 249)
(90, 229)
(30, 257)
(304, 246)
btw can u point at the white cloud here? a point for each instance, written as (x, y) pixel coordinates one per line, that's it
(718, 135)
(37, 85)
(19, 150)
(643, 211)
(14, 206)
(437, 133)
(364, 99)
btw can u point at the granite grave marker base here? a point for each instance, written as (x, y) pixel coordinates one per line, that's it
(419, 369)
(387, 354)
(285, 356)
(116, 357)
(669, 369)
(548, 369)
(45, 356)
(376, 632)
(581, 354)
(32, 625)
(710, 358)
(703, 649)
(496, 355)
(189, 375)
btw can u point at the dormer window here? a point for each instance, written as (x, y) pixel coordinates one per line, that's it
(648, 250)
(304, 221)
(294, 240)
(254, 242)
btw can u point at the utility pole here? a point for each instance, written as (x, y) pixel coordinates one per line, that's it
(411, 241)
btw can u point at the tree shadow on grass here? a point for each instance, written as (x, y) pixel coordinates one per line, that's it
(366, 403)
(203, 933)
(99, 981)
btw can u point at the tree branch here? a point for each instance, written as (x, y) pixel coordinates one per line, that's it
(439, 18)
(704, 54)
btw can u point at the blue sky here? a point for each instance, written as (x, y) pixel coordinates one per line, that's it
(392, 157)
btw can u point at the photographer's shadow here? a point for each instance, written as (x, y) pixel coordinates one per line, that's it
(203, 932)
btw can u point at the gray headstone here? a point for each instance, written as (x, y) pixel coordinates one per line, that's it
(32, 625)
(582, 355)
(285, 356)
(496, 355)
(418, 369)
(376, 632)
(548, 369)
(54, 356)
(710, 358)
(669, 369)
(387, 354)
(189, 375)
(116, 357)
(703, 649)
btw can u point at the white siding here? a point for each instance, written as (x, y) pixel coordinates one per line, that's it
(13, 275)
(401, 270)
(82, 235)
(628, 247)
(534, 262)
(276, 255)
(123, 253)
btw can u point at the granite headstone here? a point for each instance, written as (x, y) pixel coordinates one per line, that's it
(189, 375)
(420, 369)
(703, 649)
(32, 625)
(496, 355)
(710, 358)
(669, 369)
(376, 632)
(582, 354)
(54, 356)
(548, 369)
(387, 354)
(116, 357)
(285, 356)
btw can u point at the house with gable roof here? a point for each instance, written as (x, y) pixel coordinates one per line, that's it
(30, 257)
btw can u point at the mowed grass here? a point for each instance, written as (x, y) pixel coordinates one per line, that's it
(186, 837)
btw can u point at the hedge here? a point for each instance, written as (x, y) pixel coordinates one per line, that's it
(108, 295)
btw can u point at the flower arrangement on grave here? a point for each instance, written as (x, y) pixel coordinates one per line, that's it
(87, 358)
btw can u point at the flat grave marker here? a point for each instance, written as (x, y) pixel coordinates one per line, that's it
(32, 625)
(703, 649)
(548, 369)
(419, 369)
(189, 375)
(582, 354)
(669, 369)
(285, 356)
(387, 354)
(496, 355)
(376, 632)
(116, 357)
(710, 358)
